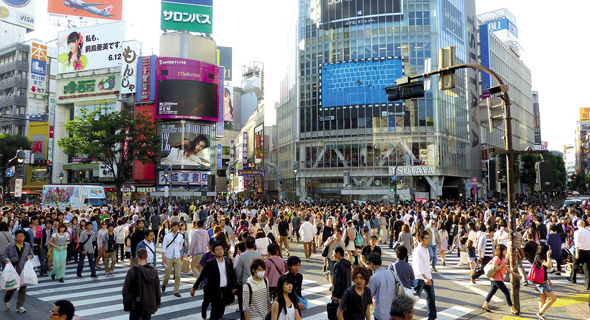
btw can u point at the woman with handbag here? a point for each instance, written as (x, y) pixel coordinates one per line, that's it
(538, 275)
(499, 267)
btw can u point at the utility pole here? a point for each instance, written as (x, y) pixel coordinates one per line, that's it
(406, 89)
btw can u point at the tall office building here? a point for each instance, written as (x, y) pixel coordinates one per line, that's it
(351, 142)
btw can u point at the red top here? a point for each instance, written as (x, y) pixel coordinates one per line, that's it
(499, 275)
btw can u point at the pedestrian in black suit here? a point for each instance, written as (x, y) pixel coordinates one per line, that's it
(220, 284)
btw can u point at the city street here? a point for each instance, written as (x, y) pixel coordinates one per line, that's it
(456, 297)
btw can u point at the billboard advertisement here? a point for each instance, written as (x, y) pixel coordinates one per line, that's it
(129, 67)
(584, 114)
(342, 13)
(484, 44)
(228, 107)
(220, 104)
(37, 76)
(452, 20)
(186, 89)
(146, 79)
(61, 196)
(90, 48)
(187, 15)
(85, 87)
(19, 12)
(89, 9)
(224, 59)
(187, 145)
(354, 83)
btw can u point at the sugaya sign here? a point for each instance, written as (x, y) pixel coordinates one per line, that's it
(412, 171)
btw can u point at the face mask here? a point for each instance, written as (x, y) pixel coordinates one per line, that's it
(260, 274)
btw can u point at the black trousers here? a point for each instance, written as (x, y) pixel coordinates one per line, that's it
(121, 246)
(240, 302)
(584, 260)
(217, 299)
(478, 272)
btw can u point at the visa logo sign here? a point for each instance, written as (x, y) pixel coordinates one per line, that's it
(26, 19)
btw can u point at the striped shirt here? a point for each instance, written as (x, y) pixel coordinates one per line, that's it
(485, 247)
(260, 298)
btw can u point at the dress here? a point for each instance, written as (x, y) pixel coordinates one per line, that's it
(444, 239)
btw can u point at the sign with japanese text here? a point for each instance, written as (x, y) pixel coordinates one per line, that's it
(251, 173)
(90, 48)
(258, 147)
(19, 12)
(96, 86)
(37, 76)
(245, 147)
(146, 79)
(584, 114)
(219, 156)
(184, 177)
(18, 188)
(220, 104)
(187, 15)
(129, 67)
(232, 154)
(86, 10)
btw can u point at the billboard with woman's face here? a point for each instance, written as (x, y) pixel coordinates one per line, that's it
(186, 145)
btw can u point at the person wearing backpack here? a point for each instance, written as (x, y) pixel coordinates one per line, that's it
(142, 280)
(542, 281)
(257, 291)
(356, 300)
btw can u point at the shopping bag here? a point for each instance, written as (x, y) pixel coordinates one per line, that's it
(490, 269)
(28, 275)
(186, 266)
(9, 278)
(36, 262)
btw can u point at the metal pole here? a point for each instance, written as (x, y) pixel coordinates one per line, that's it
(509, 166)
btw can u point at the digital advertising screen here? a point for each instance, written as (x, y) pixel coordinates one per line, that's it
(358, 83)
(187, 145)
(346, 13)
(187, 89)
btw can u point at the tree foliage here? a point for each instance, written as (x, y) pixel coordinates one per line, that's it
(559, 173)
(528, 174)
(9, 145)
(116, 139)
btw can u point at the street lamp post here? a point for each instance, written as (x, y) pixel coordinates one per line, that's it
(295, 170)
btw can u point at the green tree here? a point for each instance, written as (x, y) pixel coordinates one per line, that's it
(115, 139)
(559, 173)
(9, 145)
(528, 174)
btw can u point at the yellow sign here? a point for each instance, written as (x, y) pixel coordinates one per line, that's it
(584, 113)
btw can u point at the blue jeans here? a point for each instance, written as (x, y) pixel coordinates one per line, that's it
(499, 285)
(433, 251)
(90, 261)
(331, 264)
(420, 285)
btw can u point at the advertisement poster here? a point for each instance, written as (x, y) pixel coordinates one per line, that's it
(258, 148)
(37, 76)
(224, 59)
(337, 14)
(90, 48)
(61, 197)
(220, 104)
(129, 67)
(19, 12)
(186, 89)
(90, 9)
(187, 145)
(187, 15)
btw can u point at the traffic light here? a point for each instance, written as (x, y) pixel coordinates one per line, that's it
(495, 113)
(446, 59)
(187, 187)
(545, 178)
(49, 167)
(392, 188)
(405, 91)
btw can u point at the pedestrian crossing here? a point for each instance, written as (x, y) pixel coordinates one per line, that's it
(102, 298)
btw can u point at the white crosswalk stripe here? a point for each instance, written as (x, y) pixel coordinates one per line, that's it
(101, 298)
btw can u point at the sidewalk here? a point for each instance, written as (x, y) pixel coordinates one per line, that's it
(571, 304)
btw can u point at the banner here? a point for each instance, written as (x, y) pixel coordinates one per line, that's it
(225, 59)
(86, 10)
(90, 48)
(183, 177)
(340, 13)
(220, 104)
(187, 89)
(258, 147)
(21, 13)
(251, 173)
(187, 145)
(245, 148)
(232, 154)
(146, 79)
(219, 165)
(37, 76)
(129, 67)
(187, 15)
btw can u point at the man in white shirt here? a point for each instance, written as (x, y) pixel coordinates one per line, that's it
(307, 232)
(582, 244)
(423, 277)
(172, 258)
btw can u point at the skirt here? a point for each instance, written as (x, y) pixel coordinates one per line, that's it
(444, 245)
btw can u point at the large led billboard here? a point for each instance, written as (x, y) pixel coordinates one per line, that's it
(86, 9)
(358, 83)
(187, 89)
(91, 48)
(346, 13)
(187, 145)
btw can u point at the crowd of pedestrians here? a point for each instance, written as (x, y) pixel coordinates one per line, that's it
(243, 249)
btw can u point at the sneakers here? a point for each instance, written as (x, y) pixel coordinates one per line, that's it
(177, 295)
(94, 276)
(7, 305)
(21, 310)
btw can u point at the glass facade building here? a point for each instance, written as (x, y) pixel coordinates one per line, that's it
(350, 137)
